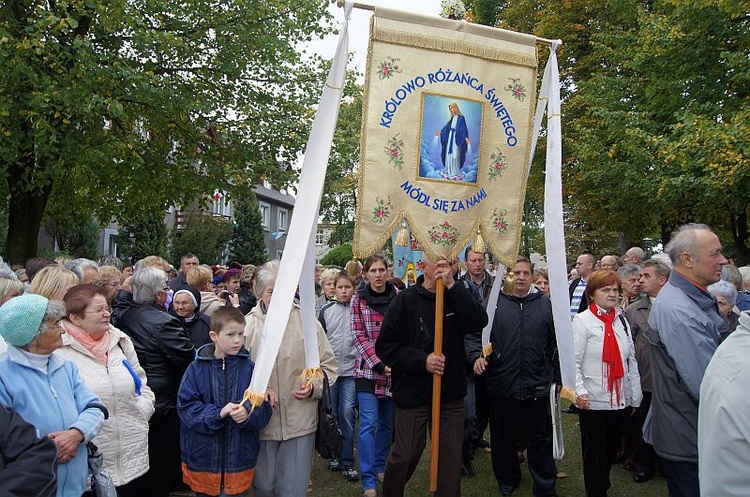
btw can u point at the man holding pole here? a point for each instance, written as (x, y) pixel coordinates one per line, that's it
(407, 344)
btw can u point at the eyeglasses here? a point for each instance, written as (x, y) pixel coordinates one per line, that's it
(98, 310)
(55, 325)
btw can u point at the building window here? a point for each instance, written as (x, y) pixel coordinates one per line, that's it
(265, 214)
(320, 238)
(221, 205)
(282, 220)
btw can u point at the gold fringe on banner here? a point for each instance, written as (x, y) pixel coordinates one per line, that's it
(452, 46)
(402, 239)
(310, 374)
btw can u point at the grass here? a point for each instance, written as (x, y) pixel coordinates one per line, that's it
(330, 484)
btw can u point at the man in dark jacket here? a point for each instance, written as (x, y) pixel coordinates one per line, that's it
(165, 352)
(520, 371)
(406, 345)
(28, 465)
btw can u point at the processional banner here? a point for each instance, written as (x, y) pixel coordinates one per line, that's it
(446, 134)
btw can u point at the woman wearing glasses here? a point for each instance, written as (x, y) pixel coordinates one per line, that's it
(46, 390)
(108, 365)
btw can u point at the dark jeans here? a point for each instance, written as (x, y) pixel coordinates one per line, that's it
(470, 414)
(411, 437)
(481, 408)
(165, 465)
(506, 415)
(682, 478)
(600, 441)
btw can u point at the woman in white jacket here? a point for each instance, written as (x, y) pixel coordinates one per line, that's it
(108, 365)
(608, 387)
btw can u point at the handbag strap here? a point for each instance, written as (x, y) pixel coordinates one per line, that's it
(326, 391)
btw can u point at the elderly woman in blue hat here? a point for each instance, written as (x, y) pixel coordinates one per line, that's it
(45, 389)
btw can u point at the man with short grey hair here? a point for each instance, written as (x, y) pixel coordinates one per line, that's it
(86, 270)
(165, 352)
(635, 255)
(653, 276)
(686, 331)
(609, 262)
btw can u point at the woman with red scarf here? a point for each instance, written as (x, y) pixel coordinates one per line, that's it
(608, 387)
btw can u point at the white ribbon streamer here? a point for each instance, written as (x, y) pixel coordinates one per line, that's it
(304, 220)
(553, 221)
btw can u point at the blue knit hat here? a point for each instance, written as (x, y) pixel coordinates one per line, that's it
(21, 317)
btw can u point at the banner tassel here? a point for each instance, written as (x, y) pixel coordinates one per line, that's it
(402, 239)
(310, 374)
(486, 351)
(254, 398)
(479, 245)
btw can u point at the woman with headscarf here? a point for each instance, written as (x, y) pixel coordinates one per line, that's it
(46, 390)
(286, 444)
(608, 386)
(107, 362)
(186, 304)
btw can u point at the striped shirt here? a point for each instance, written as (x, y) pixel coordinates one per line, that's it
(575, 300)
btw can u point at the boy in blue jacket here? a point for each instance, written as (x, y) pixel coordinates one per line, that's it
(218, 437)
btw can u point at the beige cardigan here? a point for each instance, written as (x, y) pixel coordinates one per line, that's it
(291, 418)
(124, 437)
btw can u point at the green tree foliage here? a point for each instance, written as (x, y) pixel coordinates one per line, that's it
(339, 201)
(205, 236)
(74, 236)
(655, 116)
(248, 243)
(338, 256)
(144, 235)
(123, 106)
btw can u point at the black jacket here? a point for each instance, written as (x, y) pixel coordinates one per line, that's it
(247, 300)
(197, 328)
(524, 360)
(162, 346)
(28, 465)
(407, 338)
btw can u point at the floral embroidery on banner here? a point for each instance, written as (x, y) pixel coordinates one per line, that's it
(498, 164)
(382, 210)
(517, 89)
(394, 151)
(388, 68)
(443, 234)
(499, 223)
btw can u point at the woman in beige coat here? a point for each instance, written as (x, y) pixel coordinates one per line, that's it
(286, 444)
(109, 367)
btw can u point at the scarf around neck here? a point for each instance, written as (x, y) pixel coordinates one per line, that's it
(99, 348)
(612, 368)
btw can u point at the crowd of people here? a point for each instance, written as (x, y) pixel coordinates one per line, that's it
(150, 364)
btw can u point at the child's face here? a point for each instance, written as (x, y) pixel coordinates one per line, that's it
(229, 339)
(344, 290)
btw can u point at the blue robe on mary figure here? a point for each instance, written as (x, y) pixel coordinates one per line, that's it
(460, 135)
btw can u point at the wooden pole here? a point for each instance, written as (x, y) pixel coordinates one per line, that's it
(436, 385)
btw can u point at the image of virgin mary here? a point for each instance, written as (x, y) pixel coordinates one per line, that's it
(454, 140)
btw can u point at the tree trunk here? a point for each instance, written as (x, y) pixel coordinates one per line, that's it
(25, 213)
